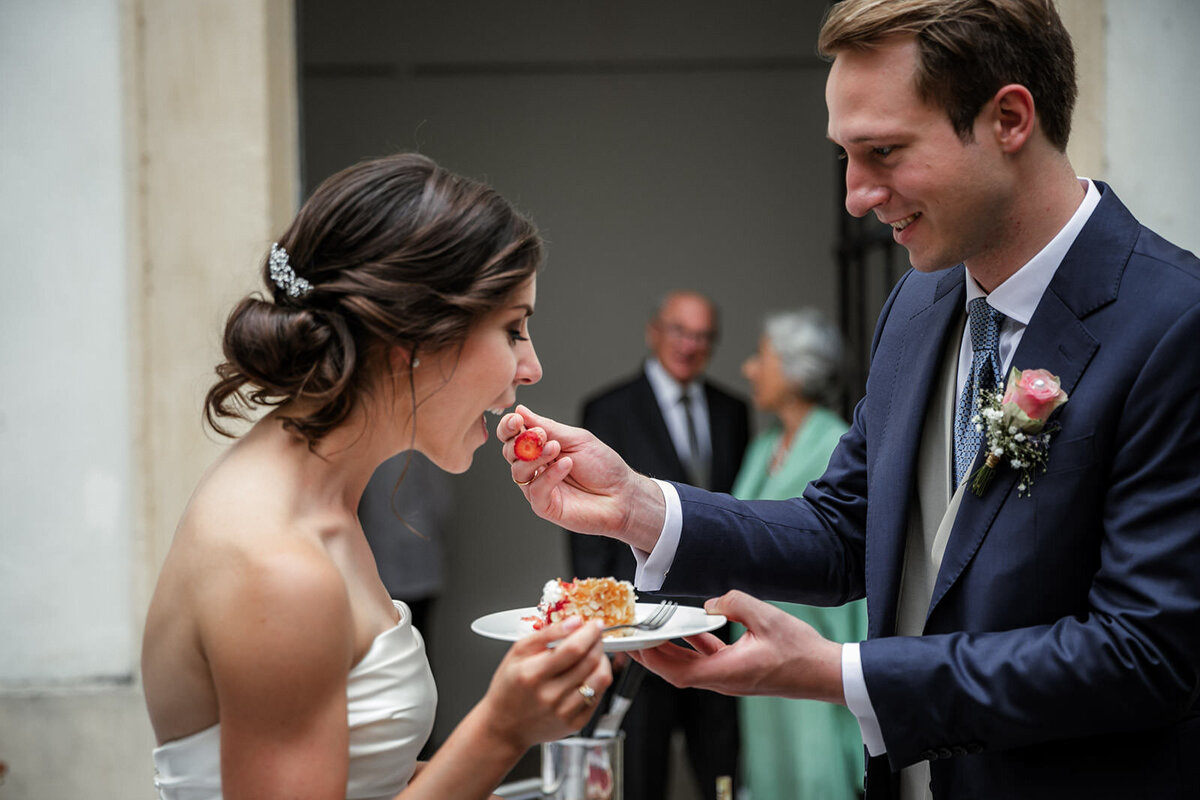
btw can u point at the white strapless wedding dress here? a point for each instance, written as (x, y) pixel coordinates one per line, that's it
(390, 700)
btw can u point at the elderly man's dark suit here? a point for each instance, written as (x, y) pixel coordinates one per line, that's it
(627, 418)
(1061, 650)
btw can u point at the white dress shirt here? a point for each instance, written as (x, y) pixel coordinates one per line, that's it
(1017, 298)
(667, 392)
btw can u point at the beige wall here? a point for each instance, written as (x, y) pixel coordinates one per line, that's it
(1087, 27)
(1151, 63)
(212, 99)
(204, 173)
(1138, 108)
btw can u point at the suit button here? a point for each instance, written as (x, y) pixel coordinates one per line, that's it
(929, 755)
(944, 752)
(974, 747)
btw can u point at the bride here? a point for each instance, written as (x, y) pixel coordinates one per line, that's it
(274, 663)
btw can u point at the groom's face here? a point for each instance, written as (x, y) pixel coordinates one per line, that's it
(945, 199)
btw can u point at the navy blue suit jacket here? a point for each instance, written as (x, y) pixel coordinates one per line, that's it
(1061, 651)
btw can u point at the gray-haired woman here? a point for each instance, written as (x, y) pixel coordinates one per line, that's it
(795, 749)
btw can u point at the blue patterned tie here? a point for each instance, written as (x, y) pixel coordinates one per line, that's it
(985, 374)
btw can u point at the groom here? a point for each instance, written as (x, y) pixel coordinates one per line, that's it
(1038, 640)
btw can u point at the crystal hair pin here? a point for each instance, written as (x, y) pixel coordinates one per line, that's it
(283, 274)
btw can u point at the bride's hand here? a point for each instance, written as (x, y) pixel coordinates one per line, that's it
(539, 693)
(581, 484)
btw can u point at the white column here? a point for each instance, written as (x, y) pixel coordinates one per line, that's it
(1154, 113)
(150, 155)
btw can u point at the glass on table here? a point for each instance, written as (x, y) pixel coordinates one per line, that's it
(580, 768)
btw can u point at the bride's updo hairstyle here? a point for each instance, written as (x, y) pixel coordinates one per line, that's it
(394, 251)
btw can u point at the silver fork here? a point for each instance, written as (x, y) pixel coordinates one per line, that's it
(661, 616)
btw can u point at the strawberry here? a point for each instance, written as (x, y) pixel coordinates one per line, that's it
(529, 444)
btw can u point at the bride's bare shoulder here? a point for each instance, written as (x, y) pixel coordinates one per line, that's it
(250, 544)
(242, 580)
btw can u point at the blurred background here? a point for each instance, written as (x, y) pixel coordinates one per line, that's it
(153, 149)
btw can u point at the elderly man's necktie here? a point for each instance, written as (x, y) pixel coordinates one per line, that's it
(695, 463)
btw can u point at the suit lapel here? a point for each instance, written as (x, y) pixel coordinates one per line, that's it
(721, 435)
(917, 361)
(659, 443)
(1056, 340)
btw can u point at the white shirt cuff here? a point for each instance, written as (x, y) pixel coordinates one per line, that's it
(854, 685)
(652, 567)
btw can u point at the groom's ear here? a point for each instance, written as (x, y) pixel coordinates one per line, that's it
(1012, 117)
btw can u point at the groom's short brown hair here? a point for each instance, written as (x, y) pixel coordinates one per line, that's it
(968, 50)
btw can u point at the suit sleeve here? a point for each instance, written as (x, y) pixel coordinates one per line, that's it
(805, 550)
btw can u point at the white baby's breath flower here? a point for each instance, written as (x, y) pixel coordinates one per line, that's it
(1012, 437)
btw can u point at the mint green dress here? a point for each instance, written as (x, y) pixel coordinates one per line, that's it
(800, 749)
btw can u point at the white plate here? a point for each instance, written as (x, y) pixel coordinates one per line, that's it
(509, 626)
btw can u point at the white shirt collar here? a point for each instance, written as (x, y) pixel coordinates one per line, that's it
(665, 387)
(1017, 298)
(667, 393)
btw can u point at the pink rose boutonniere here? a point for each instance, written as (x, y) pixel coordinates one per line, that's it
(1015, 428)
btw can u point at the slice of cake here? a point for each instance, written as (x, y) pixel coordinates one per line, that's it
(606, 599)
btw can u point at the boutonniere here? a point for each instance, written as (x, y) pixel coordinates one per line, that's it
(1014, 425)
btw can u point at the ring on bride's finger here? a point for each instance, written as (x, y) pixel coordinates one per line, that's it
(589, 694)
(532, 478)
